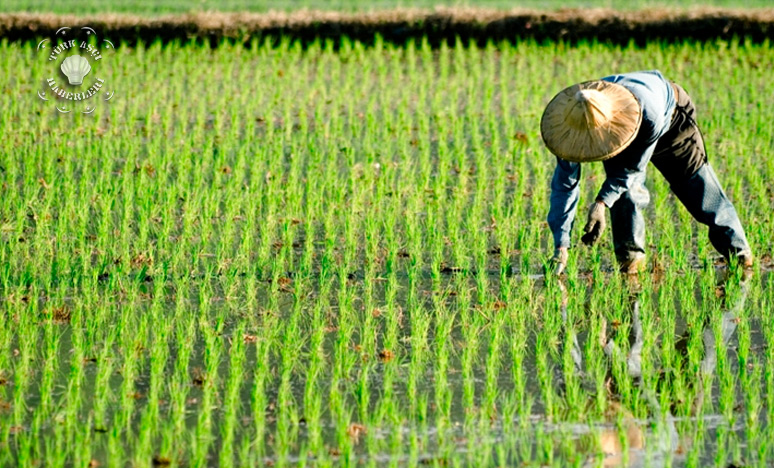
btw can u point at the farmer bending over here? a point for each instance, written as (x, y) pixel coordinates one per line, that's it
(625, 121)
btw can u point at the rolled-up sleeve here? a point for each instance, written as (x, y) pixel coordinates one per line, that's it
(564, 201)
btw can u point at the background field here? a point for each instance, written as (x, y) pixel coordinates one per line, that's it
(271, 255)
(179, 6)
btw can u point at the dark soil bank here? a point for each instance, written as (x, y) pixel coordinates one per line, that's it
(401, 25)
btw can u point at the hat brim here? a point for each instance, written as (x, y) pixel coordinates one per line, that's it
(591, 144)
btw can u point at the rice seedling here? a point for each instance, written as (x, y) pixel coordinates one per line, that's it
(274, 254)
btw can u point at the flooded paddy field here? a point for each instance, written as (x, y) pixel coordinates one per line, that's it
(326, 256)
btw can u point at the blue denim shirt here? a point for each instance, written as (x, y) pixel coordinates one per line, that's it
(657, 99)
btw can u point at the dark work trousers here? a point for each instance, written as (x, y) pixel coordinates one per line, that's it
(681, 158)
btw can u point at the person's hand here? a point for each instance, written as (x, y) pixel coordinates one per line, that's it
(559, 260)
(595, 224)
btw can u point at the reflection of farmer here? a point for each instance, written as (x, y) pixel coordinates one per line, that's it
(666, 440)
(627, 120)
(609, 434)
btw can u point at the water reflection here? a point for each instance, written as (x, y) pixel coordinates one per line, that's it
(623, 439)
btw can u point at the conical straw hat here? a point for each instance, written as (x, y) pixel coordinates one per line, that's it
(591, 121)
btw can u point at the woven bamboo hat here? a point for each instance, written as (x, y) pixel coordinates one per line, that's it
(591, 121)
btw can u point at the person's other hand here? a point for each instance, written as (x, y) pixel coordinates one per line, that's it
(595, 224)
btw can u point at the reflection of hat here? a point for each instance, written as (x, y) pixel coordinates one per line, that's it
(591, 121)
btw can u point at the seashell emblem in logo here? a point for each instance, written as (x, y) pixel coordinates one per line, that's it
(75, 68)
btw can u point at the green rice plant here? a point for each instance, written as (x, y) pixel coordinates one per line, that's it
(335, 256)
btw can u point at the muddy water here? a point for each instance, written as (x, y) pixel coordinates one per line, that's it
(483, 425)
